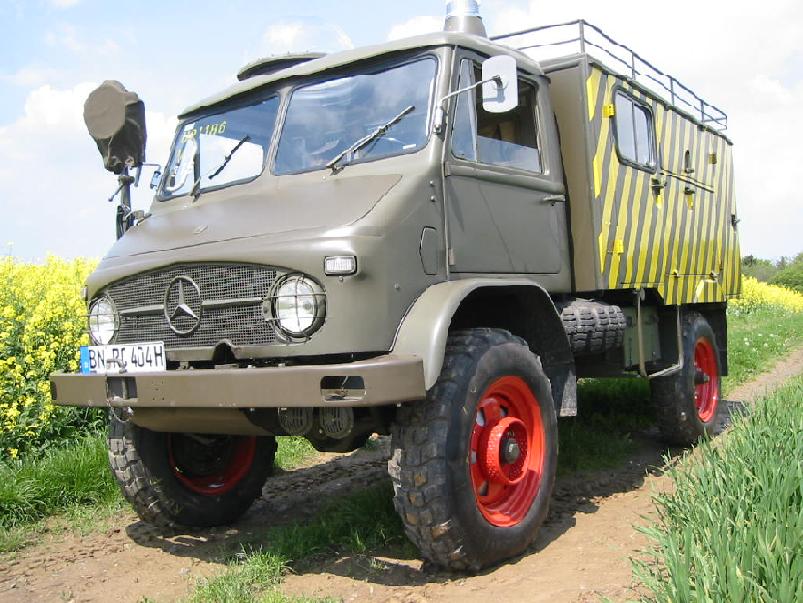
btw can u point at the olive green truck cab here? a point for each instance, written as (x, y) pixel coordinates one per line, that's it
(433, 238)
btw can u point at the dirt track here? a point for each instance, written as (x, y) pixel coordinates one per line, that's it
(581, 554)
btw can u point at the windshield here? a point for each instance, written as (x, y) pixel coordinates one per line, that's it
(219, 149)
(325, 119)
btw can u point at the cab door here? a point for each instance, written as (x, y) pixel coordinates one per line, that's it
(506, 207)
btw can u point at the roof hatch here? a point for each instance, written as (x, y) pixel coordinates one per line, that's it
(272, 64)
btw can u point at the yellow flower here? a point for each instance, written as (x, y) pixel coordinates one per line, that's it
(42, 325)
(756, 294)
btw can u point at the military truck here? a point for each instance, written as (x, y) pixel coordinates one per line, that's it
(432, 238)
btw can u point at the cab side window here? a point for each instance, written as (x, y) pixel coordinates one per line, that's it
(464, 133)
(505, 139)
(634, 131)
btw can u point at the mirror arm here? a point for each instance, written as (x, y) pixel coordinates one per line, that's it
(440, 111)
(496, 79)
(139, 171)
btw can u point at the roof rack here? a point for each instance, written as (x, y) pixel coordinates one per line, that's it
(551, 41)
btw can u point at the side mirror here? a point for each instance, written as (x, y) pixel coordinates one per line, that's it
(156, 178)
(500, 88)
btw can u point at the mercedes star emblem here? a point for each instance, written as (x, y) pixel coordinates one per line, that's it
(182, 306)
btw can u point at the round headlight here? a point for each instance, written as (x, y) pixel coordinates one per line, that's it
(103, 321)
(298, 306)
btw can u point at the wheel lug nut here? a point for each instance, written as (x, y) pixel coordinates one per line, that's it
(510, 451)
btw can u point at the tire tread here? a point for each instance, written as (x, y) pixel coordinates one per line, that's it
(419, 446)
(146, 493)
(669, 395)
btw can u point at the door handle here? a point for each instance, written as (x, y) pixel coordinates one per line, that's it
(552, 199)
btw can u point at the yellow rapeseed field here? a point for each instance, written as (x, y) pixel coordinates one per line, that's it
(42, 326)
(756, 294)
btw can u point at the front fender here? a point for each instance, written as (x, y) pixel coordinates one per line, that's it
(425, 328)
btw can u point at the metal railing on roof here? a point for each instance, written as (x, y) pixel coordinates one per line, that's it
(580, 36)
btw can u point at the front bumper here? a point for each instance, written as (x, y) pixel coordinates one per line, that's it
(380, 381)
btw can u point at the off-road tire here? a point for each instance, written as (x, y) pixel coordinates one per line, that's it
(673, 396)
(140, 462)
(430, 468)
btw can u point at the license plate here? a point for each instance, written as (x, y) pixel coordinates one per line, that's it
(127, 358)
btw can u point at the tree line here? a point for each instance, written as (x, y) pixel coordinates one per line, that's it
(786, 271)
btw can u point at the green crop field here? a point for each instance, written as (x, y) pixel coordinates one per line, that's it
(732, 529)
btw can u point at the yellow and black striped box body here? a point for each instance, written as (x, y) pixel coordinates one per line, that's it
(670, 226)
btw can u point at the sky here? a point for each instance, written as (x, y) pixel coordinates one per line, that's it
(744, 57)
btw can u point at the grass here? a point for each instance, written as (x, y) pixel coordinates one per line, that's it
(293, 452)
(599, 437)
(257, 573)
(61, 478)
(356, 524)
(72, 488)
(732, 529)
(73, 482)
(756, 340)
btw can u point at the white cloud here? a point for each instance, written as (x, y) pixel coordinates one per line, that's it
(63, 3)
(415, 26)
(303, 34)
(30, 76)
(746, 60)
(48, 107)
(282, 35)
(161, 130)
(52, 183)
(67, 36)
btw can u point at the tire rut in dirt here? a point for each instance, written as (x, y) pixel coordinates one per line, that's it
(299, 494)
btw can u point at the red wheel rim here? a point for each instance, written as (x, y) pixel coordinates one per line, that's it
(706, 380)
(507, 451)
(225, 464)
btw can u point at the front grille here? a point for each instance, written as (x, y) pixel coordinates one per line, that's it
(239, 320)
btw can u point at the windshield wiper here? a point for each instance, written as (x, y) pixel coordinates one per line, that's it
(228, 157)
(365, 140)
(196, 186)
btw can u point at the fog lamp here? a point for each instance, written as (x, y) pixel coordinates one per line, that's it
(298, 306)
(103, 321)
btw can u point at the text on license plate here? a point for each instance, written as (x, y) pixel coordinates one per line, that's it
(131, 358)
